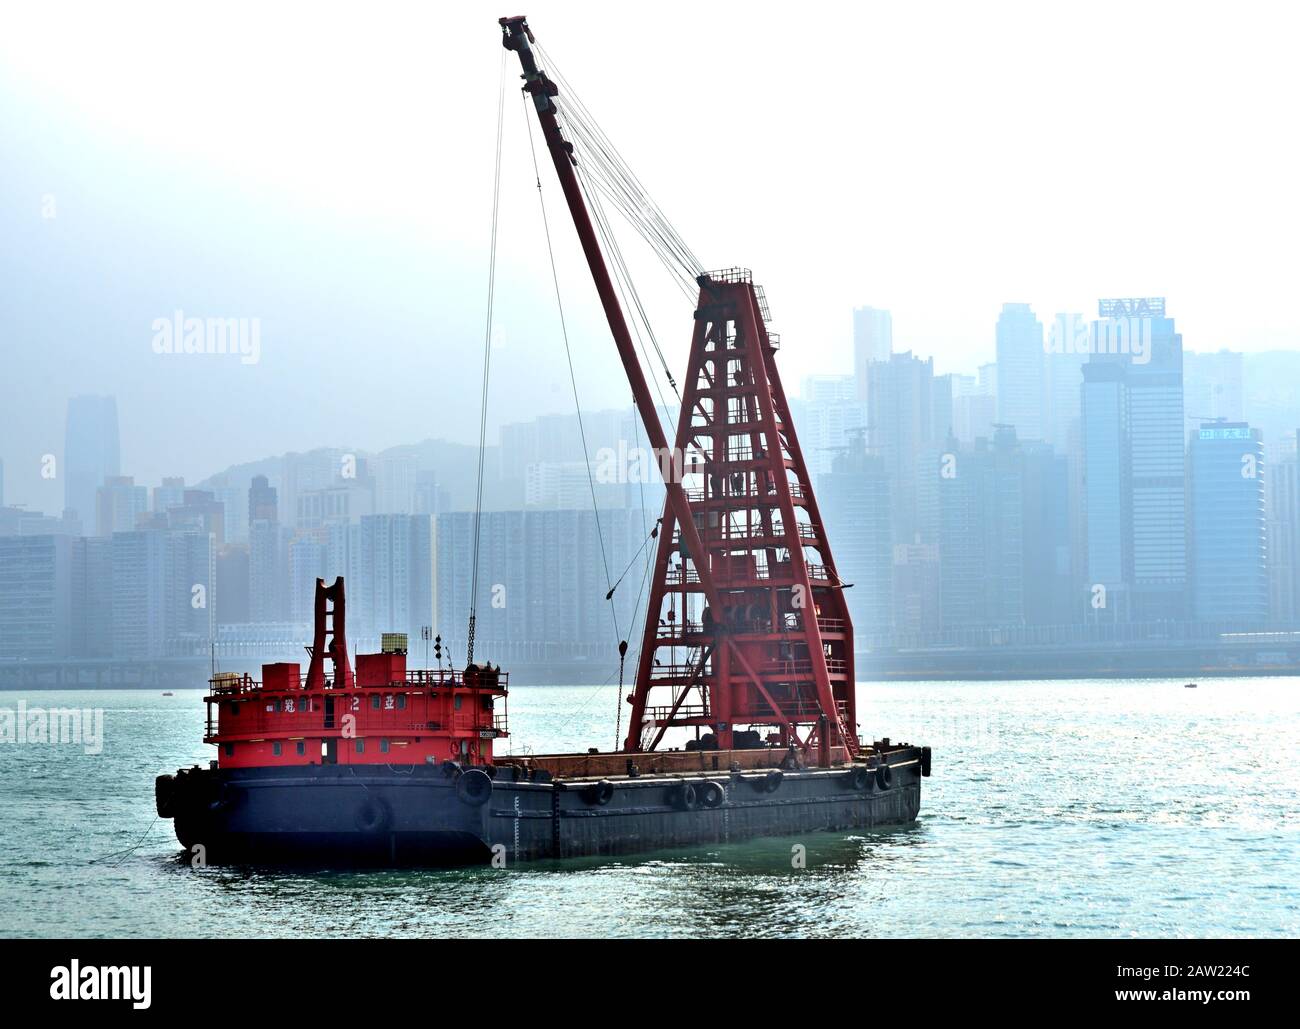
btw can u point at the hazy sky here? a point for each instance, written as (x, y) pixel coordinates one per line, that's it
(327, 170)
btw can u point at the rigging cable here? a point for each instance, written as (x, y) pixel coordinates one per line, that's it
(487, 366)
(573, 379)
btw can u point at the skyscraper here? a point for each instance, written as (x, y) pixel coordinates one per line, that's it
(35, 597)
(855, 502)
(830, 417)
(91, 453)
(1282, 506)
(1229, 574)
(908, 415)
(1021, 383)
(980, 500)
(1063, 361)
(119, 504)
(873, 340)
(1134, 462)
(395, 566)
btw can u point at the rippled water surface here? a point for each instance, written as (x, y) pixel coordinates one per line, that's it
(1055, 809)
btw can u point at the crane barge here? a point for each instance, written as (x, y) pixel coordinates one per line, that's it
(747, 648)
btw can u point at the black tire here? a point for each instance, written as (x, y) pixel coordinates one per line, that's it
(710, 794)
(858, 778)
(450, 769)
(772, 781)
(164, 788)
(925, 762)
(372, 816)
(683, 796)
(474, 787)
(599, 793)
(884, 776)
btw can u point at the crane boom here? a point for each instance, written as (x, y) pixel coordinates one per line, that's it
(518, 37)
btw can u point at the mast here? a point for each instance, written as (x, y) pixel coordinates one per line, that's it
(517, 36)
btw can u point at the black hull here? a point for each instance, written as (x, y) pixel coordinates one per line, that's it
(342, 815)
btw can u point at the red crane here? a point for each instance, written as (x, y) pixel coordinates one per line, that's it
(747, 624)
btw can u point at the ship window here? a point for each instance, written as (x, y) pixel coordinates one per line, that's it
(304, 704)
(383, 746)
(275, 748)
(374, 701)
(360, 746)
(234, 708)
(401, 701)
(456, 705)
(229, 748)
(276, 703)
(300, 748)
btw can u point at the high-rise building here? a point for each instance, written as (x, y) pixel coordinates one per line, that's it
(1049, 574)
(170, 494)
(345, 501)
(542, 581)
(268, 571)
(91, 453)
(92, 597)
(855, 504)
(974, 405)
(1229, 571)
(981, 533)
(306, 565)
(873, 340)
(394, 591)
(1282, 507)
(35, 597)
(1021, 382)
(200, 511)
(1134, 464)
(119, 505)
(1063, 359)
(263, 505)
(830, 418)
(908, 415)
(231, 607)
(164, 592)
(916, 588)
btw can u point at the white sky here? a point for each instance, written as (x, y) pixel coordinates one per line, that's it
(934, 159)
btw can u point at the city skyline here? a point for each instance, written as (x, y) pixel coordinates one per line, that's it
(354, 261)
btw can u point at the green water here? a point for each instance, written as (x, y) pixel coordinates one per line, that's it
(1056, 809)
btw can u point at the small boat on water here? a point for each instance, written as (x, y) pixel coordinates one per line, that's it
(168, 693)
(1189, 686)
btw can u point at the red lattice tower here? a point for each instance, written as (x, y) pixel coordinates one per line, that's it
(747, 624)
(780, 652)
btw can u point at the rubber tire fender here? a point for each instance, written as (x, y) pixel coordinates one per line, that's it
(884, 776)
(772, 781)
(710, 793)
(372, 816)
(683, 796)
(858, 778)
(600, 793)
(474, 787)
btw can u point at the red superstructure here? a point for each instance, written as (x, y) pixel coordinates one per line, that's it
(382, 713)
